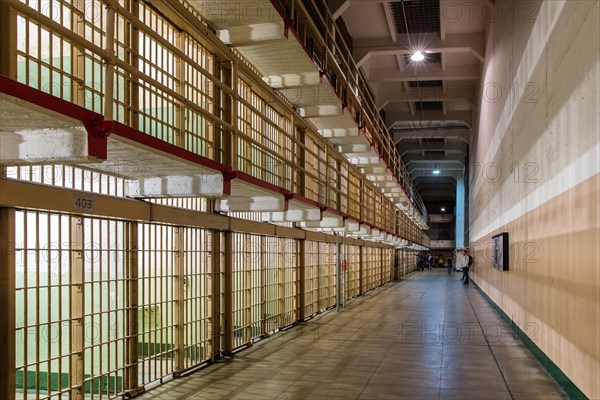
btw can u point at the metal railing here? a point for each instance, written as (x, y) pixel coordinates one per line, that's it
(314, 25)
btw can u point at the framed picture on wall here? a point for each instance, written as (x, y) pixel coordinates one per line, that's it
(500, 251)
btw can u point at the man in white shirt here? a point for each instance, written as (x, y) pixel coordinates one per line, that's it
(465, 266)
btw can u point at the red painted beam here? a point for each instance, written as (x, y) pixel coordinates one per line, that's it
(98, 130)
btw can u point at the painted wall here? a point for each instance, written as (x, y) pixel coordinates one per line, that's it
(534, 174)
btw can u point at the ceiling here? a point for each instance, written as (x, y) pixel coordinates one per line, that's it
(429, 105)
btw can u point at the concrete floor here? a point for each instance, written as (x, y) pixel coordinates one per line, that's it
(428, 337)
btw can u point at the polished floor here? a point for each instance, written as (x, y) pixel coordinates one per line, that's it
(428, 337)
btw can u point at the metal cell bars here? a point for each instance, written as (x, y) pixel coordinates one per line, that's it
(54, 64)
(246, 295)
(157, 109)
(70, 306)
(79, 178)
(272, 283)
(368, 202)
(343, 187)
(289, 284)
(199, 131)
(333, 180)
(188, 203)
(315, 169)
(352, 271)
(378, 208)
(43, 301)
(387, 266)
(104, 305)
(311, 278)
(327, 275)
(265, 142)
(354, 196)
(197, 297)
(159, 266)
(316, 26)
(377, 266)
(368, 268)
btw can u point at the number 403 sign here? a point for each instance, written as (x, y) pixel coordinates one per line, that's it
(83, 203)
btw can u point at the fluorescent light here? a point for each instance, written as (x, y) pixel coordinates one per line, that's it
(418, 56)
(436, 171)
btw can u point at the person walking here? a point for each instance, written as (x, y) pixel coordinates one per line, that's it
(465, 264)
(449, 264)
(420, 261)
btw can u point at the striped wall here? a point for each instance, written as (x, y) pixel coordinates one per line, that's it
(535, 174)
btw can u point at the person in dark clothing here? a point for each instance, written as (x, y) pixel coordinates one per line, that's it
(420, 261)
(465, 263)
(449, 264)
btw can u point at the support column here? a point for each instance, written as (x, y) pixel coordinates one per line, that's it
(460, 213)
(263, 305)
(131, 384)
(134, 86)
(281, 282)
(338, 274)
(215, 325)
(228, 294)
(361, 268)
(301, 280)
(179, 119)
(76, 368)
(179, 297)
(8, 44)
(7, 302)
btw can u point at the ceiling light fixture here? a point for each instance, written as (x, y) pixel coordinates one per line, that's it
(436, 171)
(418, 56)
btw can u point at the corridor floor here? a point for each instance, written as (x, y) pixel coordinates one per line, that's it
(428, 337)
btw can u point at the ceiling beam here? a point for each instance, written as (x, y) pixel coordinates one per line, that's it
(415, 158)
(338, 8)
(428, 115)
(392, 92)
(427, 72)
(460, 147)
(472, 43)
(390, 21)
(431, 134)
(424, 180)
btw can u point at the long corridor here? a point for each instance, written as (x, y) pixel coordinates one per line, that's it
(428, 337)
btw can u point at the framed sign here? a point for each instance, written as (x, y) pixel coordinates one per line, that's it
(500, 251)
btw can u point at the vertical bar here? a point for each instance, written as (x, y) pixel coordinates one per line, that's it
(231, 141)
(77, 309)
(79, 73)
(179, 297)
(338, 275)
(7, 302)
(301, 138)
(344, 268)
(263, 286)
(228, 295)
(301, 280)
(133, 87)
(281, 281)
(216, 295)
(361, 258)
(179, 108)
(131, 383)
(8, 42)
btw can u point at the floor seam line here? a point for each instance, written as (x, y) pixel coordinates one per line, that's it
(512, 396)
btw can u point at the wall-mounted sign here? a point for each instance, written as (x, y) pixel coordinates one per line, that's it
(500, 251)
